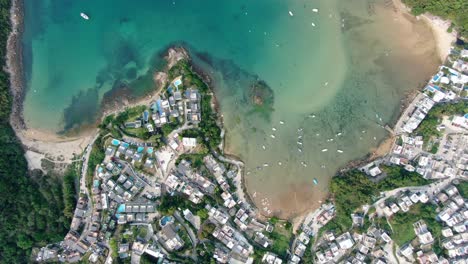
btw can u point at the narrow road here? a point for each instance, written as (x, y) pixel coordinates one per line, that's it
(192, 236)
(84, 189)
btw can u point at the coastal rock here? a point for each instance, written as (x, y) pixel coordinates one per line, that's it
(175, 55)
(260, 95)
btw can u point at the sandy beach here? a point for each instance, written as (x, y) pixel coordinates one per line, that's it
(438, 26)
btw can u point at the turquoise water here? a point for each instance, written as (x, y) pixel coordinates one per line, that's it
(350, 71)
(121, 208)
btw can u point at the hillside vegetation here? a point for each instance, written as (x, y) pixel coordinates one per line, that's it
(454, 10)
(33, 211)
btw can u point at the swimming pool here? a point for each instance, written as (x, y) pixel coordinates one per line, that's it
(165, 220)
(140, 149)
(121, 208)
(178, 82)
(115, 142)
(150, 150)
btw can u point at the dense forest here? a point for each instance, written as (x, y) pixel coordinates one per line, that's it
(33, 211)
(455, 10)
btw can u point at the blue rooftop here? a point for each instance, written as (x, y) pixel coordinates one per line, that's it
(160, 110)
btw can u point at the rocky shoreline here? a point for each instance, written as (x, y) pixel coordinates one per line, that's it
(14, 65)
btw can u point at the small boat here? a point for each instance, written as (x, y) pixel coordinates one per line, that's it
(322, 166)
(272, 136)
(273, 128)
(265, 165)
(299, 143)
(312, 116)
(326, 83)
(299, 129)
(315, 181)
(279, 163)
(315, 10)
(303, 164)
(299, 149)
(339, 151)
(317, 134)
(291, 13)
(84, 16)
(324, 150)
(263, 147)
(313, 24)
(282, 122)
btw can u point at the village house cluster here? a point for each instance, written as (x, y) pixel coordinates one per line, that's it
(357, 248)
(454, 215)
(177, 105)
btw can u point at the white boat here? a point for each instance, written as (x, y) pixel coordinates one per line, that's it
(315, 10)
(299, 143)
(339, 151)
(324, 150)
(282, 122)
(339, 134)
(291, 13)
(313, 24)
(279, 163)
(84, 16)
(272, 136)
(265, 165)
(300, 150)
(273, 128)
(263, 147)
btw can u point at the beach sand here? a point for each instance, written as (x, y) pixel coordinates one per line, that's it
(443, 39)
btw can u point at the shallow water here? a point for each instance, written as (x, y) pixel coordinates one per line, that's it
(351, 70)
